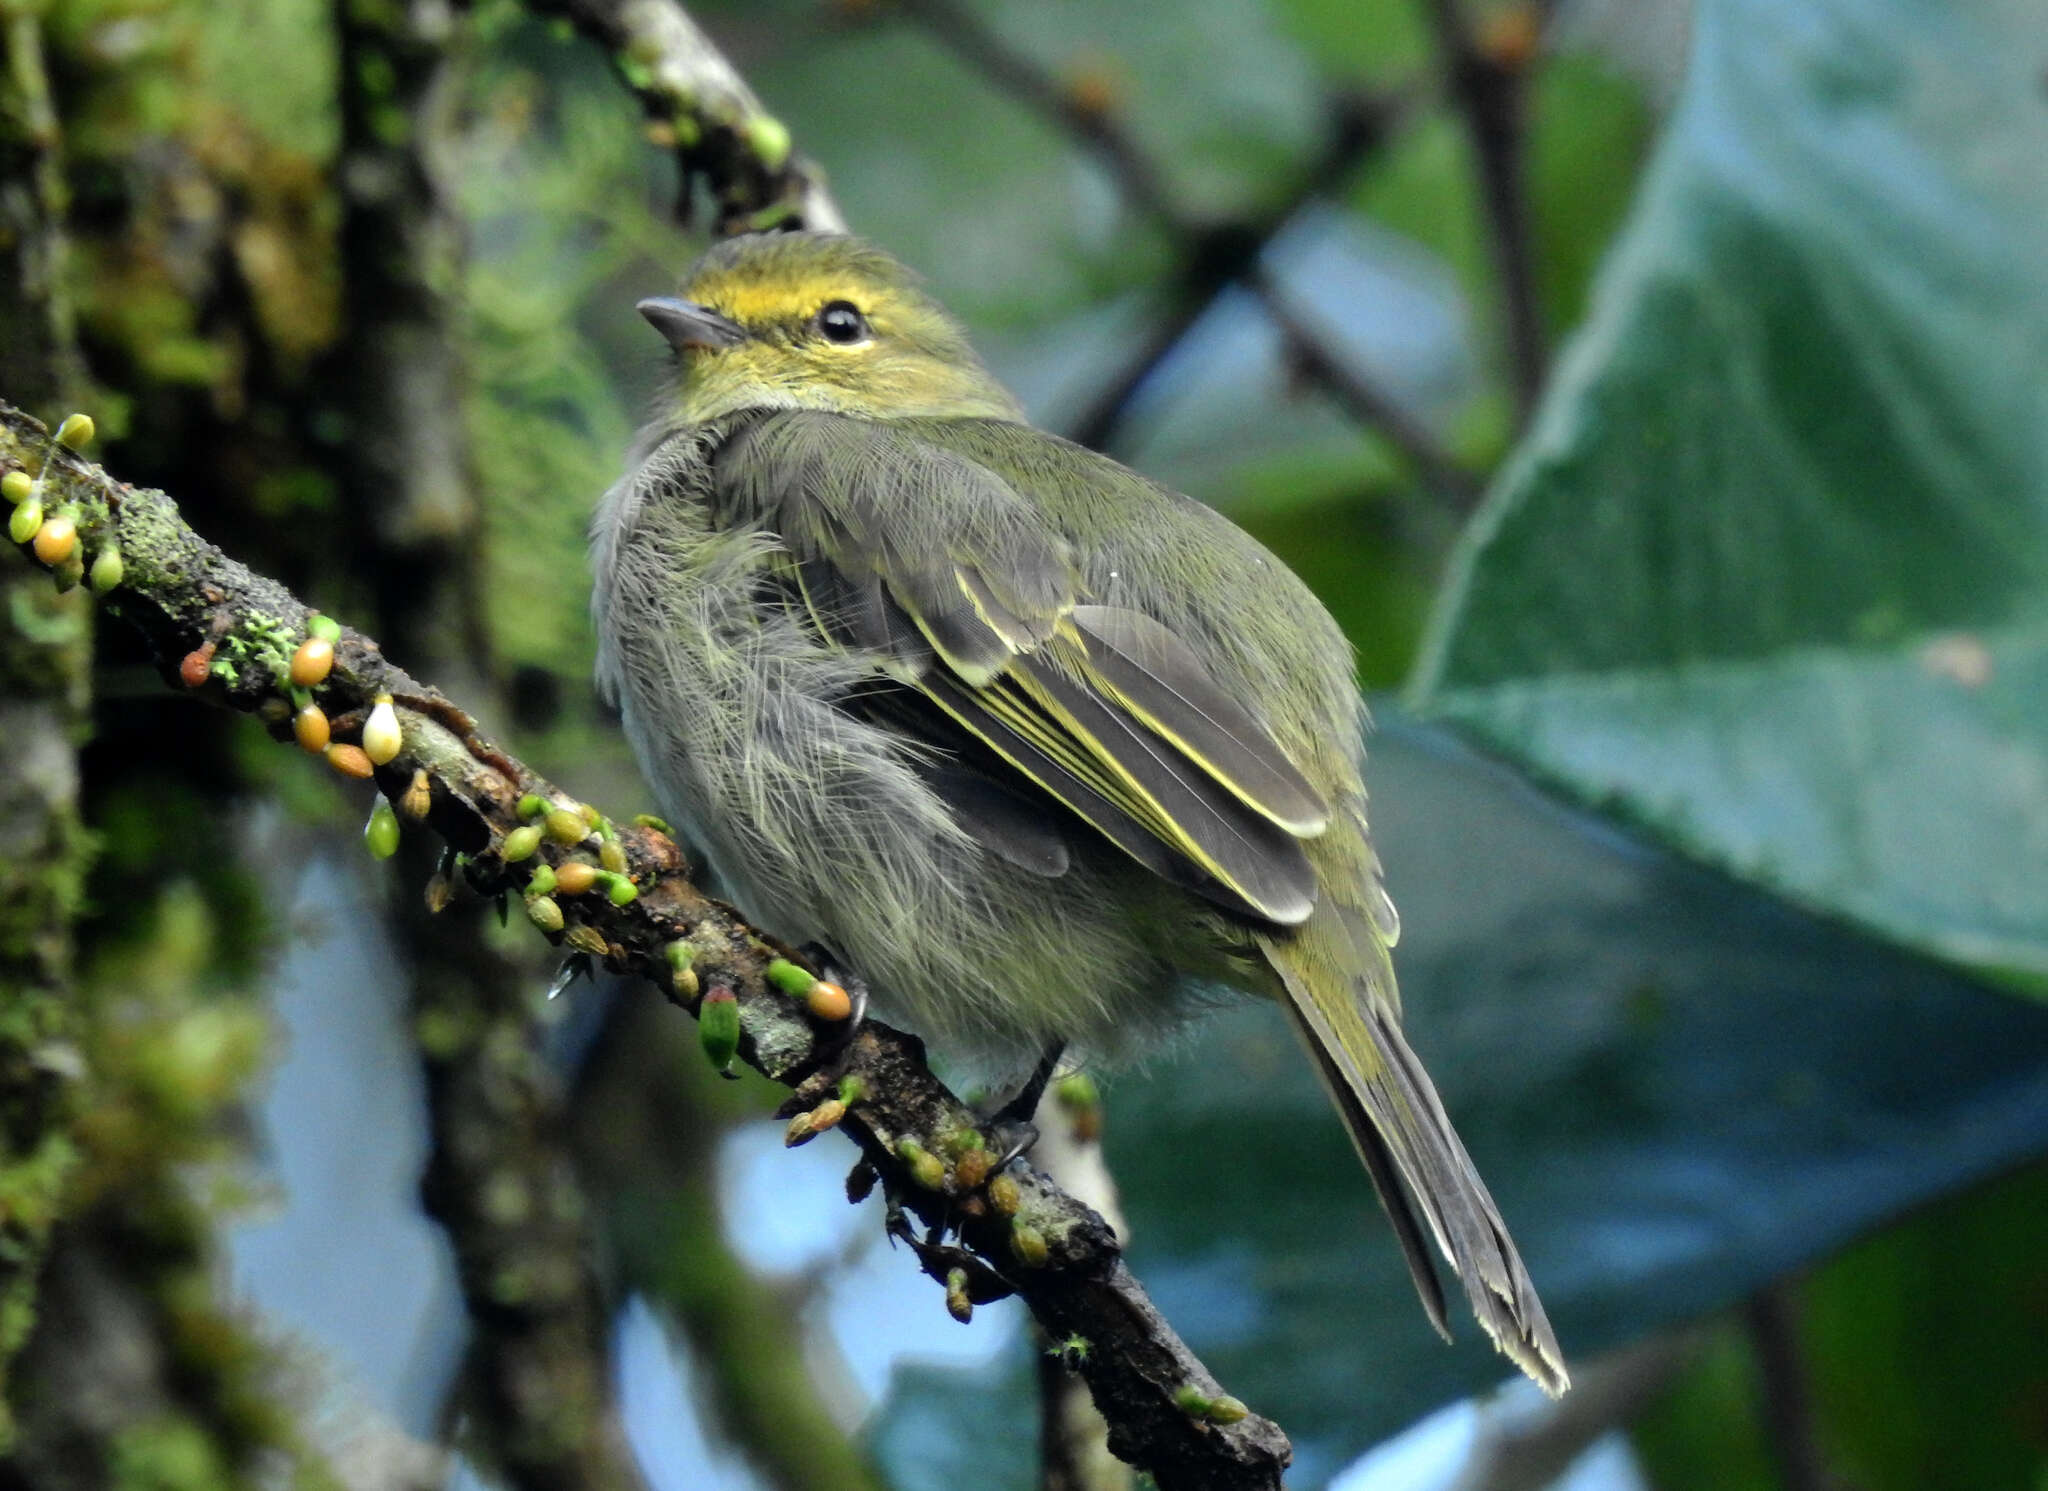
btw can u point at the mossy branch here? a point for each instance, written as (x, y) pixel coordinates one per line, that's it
(699, 105)
(229, 636)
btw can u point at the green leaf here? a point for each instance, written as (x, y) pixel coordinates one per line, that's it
(1770, 574)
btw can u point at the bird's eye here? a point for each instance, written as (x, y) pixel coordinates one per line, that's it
(842, 322)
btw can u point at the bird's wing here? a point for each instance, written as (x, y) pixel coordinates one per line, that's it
(970, 598)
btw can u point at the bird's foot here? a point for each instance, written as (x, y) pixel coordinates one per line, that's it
(968, 1280)
(1011, 1126)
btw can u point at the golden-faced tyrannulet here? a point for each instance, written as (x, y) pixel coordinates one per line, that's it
(1032, 744)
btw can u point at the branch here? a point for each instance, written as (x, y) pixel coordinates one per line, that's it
(1213, 255)
(1095, 125)
(1785, 1400)
(228, 635)
(720, 132)
(1487, 71)
(46, 679)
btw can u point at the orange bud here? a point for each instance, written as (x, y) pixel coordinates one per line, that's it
(827, 1001)
(56, 539)
(197, 664)
(312, 662)
(350, 761)
(574, 876)
(309, 727)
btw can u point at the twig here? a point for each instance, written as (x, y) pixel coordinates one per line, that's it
(1368, 402)
(1212, 255)
(194, 605)
(1487, 74)
(1098, 127)
(721, 133)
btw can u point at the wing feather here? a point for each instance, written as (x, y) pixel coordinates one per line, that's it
(965, 593)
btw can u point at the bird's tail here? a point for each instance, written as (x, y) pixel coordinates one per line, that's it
(1349, 1024)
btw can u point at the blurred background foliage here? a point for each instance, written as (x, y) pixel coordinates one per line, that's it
(1727, 950)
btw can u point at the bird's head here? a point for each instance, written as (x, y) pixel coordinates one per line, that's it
(816, 321)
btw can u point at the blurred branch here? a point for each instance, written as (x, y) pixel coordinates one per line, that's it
(649, 1120)
(537, 1380)
(45, 696)
(1073, 1439)
(1093, 123)
(1787, 1405)
(1212, 255)
(1526, 1442)
(406, 462)
(1487, 70)
(226, 634)
(42, 321)
(703, 108)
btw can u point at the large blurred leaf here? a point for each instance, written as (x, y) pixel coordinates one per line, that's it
(1771, 573)
(1677, 1087)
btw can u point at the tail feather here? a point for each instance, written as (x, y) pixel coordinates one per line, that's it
(1386, 1184)
(1399, 1127)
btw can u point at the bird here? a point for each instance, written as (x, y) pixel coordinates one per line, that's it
(1039, 748)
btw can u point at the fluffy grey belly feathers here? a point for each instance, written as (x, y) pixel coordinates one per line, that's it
(822, 824)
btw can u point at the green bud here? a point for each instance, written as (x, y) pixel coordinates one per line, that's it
(566, 827)
(612, 855)
(680, 954)
(326, 628)
(26, 520)
(381, 832)
(532, 805)
(1191, 1400)
(17, 487)
(770, 138)
(622, 891)
(972, 1168)
(1224, 1409)
(794, 981)
(541, 882)
(1005, 1195)
(959, 1141)
(926, 1168)
(519, 844)
(851, 1089)
(718, 1028)
(958, 1305)
(544, 912)
(1027, 1245)
(648, 820)
(70, 571)
(76, 431)
(107, 570)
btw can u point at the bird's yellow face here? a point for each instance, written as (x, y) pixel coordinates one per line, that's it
(814, 321)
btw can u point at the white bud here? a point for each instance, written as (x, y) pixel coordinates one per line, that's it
(382, 736)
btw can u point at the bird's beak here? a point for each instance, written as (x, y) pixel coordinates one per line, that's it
(687, 324)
